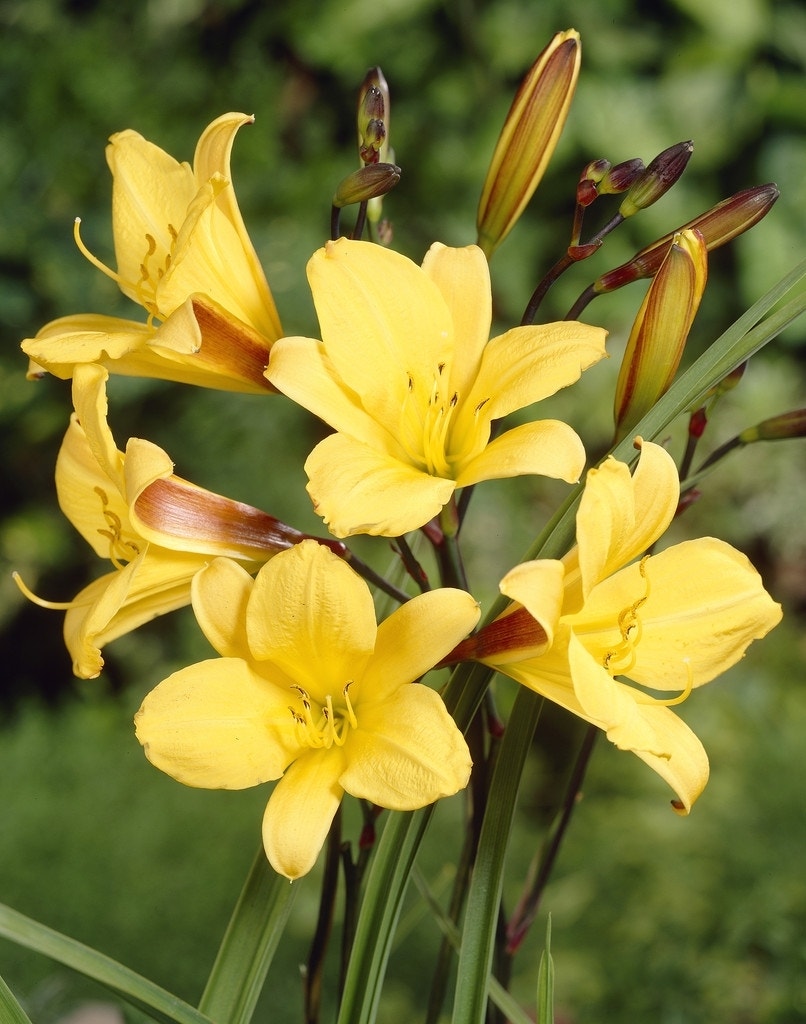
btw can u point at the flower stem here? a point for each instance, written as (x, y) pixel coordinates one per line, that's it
(314, 966)
(526, 910)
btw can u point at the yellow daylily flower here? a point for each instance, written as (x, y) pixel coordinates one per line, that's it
(184, 255)
(309, 688)
(406, 375)
(604, 622)
(157, 529)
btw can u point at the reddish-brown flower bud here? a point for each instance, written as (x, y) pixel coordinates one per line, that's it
(656, 179)
(719, 225)
(621, 177)
(366, 183)
(777, 428)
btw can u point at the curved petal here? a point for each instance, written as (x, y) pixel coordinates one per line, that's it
(301, 810)
(687, 769)
(407, 751)
(384, 323)
(212, 156)
(528, 364)
(621, 516)
(217, 725)
(302, 370)
(357, 489)
(89, 338)
(545, 448)
(463, 277)
(89, 401)
(650, 730)
(171, 512)
(414, 638)
(704, 605)
(326, 632)
(204, 344)
(150, 195)
(91, 501)
(151, 584)
(209, 257)
(220, 593)
(538, 586)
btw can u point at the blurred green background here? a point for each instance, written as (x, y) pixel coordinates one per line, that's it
(654, 918)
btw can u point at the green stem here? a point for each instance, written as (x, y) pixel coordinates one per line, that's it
(324, 923)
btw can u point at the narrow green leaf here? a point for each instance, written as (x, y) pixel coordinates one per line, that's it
(505, 1002)
(545, 982)
(140, 992)
(10, 1010)
(249, 944)
(481, 917)
(380, 909)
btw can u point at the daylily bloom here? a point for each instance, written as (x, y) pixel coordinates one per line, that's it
(184, 255)
(157, 529)
(607, 629)
(309, 688)
(407, 377)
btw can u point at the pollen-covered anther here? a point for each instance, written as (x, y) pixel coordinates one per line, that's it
(621, 658)
(121, 550)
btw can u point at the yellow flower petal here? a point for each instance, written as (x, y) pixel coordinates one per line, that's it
(220, 593)
(546, 447)
(528, 364)
(538, 586)
(302, 370)
(620, 516)
(90, 500)
(357, 489)
(705, 604)
(88, 338)
(415, 637)
(300, 811)
(384, 322)
(407, 751)
(210, 726)
(463, 278)
(122, 600)
(150, 195)
(330, 636)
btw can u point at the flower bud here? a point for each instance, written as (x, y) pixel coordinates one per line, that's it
(621, 177)
(373, 118)
(777, 428)
(656, 179)
(588, 185)
(719, 225)
(366, 183)
(528, 138)
(660, 330)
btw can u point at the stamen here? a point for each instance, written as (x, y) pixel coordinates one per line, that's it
(121, 550)
(57, 606)
(670, 702)
(88, 255)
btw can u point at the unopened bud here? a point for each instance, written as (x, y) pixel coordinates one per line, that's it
(588, 185)
(719, 225)
(366, 183)
(373, 118)
(777, 428)
(660, 331)
(621, 177)
(656, 179)
(528, 138)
